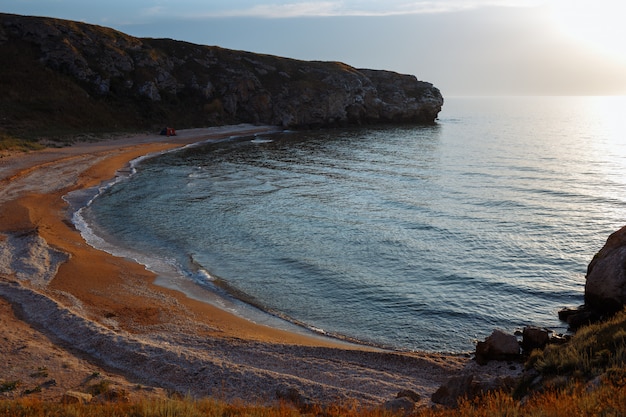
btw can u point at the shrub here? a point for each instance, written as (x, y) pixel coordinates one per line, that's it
(590, 352)
(9, 386)
(102, 387)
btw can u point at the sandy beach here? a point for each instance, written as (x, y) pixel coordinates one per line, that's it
(73, 315)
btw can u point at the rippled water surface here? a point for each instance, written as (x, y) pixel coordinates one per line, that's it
(412, 237)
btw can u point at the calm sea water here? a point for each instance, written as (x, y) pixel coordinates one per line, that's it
(422, 238)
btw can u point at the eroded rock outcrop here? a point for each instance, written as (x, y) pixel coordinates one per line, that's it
(534, 337)
(497, 346)
(470, 386)
(605, 288)
(194, 85)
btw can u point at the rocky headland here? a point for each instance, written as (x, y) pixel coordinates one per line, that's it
(605, 287)
(60, 74)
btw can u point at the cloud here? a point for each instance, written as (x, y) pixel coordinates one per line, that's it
(149, 10)
(285, 10)
(359, 8)
(154, 11)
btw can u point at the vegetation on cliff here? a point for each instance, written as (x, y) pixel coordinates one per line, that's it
(61, 77)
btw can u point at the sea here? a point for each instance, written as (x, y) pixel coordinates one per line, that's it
(414, 238)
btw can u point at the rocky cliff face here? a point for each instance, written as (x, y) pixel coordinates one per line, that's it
(605, 286)
(193, 85)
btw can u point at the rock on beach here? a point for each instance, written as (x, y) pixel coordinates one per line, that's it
(605, 287)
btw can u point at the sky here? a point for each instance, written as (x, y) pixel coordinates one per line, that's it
(463, 47)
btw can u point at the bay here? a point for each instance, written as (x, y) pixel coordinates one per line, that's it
(409, 237)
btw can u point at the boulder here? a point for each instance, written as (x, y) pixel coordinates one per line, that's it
(534, 338)
(116, 395)
(498, 346)
(580, 316)
(605, 287)
(404, 405)
(75, 397)
(567, 312)
(455, 389)
(294, 396)
(407, 393)
(469, 387)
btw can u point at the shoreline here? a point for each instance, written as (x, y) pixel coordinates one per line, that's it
(171, 276)
(111, 311)
(102, 166)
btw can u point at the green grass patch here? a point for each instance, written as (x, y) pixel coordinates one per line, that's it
(102, 387)
(42, 372)
(11, 143)
(590, 352)
(9, 386)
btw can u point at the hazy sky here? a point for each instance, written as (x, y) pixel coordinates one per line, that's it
(464, 47)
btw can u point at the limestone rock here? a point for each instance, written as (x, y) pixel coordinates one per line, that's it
(498, 346)
(197, 85)
(455, 389)
(74, 397)
(117, 395)
(469, 386)
(534, 338)
(407, 393)
(404, 405)
(605, 288)
(577, 317)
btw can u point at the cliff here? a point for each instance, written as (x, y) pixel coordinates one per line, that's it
(61, 74)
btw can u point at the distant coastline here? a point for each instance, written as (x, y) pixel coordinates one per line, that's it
(111, 81)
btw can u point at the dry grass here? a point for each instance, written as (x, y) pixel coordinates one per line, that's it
(10, 143)
(577, 399)
(592, 351)
(608, 399)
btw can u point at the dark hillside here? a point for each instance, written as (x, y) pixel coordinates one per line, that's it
(60, 77)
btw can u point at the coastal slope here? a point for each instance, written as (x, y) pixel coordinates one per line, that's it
(61, 75)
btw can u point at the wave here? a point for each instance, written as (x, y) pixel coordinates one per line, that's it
(247, 306)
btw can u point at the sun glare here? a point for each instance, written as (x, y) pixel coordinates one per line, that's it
(598, 23)
(613, 109)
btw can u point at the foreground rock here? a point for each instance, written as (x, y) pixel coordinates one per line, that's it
(74, 397)
(498, 346)
(404, 405)
(470, 386)
(579, 316)
(605, 288)
(113, 79)
(534, 337)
